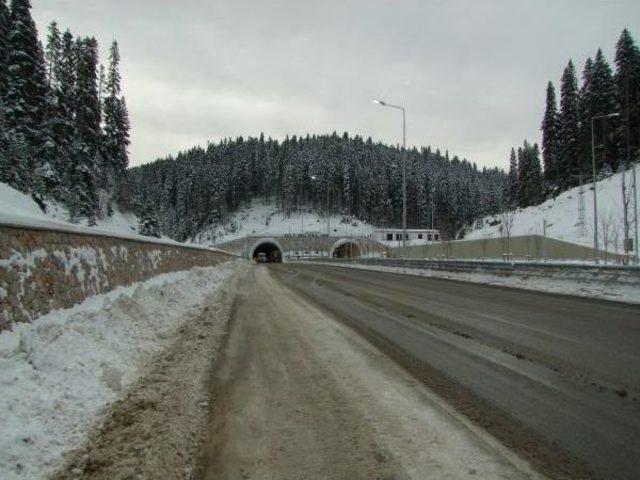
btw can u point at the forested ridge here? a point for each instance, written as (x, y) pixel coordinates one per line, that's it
(203, 186)
(64, 136)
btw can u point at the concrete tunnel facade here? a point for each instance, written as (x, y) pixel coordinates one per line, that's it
(269, 246)
(346, 248)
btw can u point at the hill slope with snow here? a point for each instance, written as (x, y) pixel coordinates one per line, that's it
(561, 215)
(17, 208)
(264, 219)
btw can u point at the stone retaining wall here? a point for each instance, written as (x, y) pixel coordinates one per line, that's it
(41, 270)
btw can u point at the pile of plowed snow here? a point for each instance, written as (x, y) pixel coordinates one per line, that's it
(58, 372)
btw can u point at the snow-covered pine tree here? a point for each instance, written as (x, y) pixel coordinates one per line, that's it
(116, 121)
(102, 84)
(512, 181)
(602, 102)
(4, 46)
(87, 114)
(569, 165)
(529, 175)
(585, 106)
(14, 161)
(86, 164)
(53, 52)
(25, 99)
(148, 221)
(534, 181)
(422, 197)
(627, 80)
(62, 117)
(550, 142)
(523, 168)
(50, 162)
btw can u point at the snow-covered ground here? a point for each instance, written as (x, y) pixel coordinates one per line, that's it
(19, 209)
(561, 215)
(16, 208)
(58, 372)
(264, 219)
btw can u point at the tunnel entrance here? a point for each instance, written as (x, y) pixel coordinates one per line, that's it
(345, 249)
(266, 251)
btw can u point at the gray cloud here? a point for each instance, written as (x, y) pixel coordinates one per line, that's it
(472, 74)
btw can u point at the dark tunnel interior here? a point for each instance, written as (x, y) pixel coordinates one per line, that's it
(267, 252)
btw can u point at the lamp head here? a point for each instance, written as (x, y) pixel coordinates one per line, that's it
(379, 102)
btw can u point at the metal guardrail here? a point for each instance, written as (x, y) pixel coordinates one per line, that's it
(628, 275)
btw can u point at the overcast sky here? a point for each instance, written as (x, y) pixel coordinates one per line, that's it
(472, 74)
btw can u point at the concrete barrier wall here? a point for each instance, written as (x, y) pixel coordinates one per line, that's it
(41, 269)
(534, 246)
(603, 274)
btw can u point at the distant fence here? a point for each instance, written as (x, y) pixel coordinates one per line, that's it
(519, 247)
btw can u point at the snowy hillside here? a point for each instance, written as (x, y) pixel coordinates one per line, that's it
(19, 209)
(562, 216)
(267, 220)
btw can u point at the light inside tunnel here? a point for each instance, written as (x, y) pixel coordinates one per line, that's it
(267, 252)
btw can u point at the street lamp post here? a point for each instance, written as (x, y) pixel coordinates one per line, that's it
(595, 196)
(404, 171)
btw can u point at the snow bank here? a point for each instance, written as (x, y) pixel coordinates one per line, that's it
(57, 373)
(561, 215)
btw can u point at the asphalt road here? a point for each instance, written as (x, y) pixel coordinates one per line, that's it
(298, 395)
(555, 378)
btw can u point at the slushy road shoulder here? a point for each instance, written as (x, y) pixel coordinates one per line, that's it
(556, 378)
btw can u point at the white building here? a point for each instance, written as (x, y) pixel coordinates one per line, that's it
(392, 237)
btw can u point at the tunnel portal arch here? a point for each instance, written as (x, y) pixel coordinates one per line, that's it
(270, 247)
(346, 248)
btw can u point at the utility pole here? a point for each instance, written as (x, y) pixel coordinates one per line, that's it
(404, 184)
(404, 171)
(625, 201)
(635, 179)
(544, 239)
(635, 212)
(595, 196)
(635, 193)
